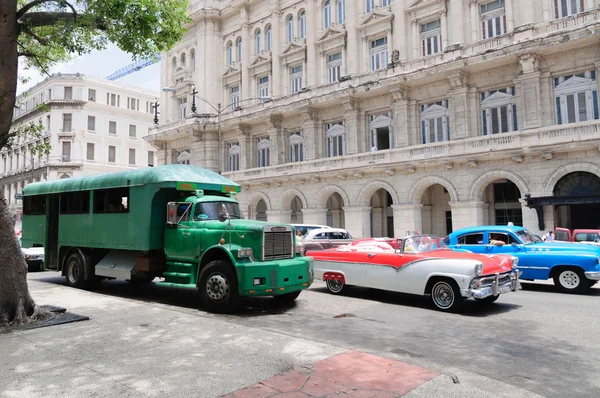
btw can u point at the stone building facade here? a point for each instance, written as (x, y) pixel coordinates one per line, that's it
(92, 126)
(384, 116)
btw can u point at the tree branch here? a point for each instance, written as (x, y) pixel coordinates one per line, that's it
(40, 40)
(37, 19)
(35, 57)
(34, 3)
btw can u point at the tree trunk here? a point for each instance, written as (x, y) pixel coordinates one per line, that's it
(16, 305)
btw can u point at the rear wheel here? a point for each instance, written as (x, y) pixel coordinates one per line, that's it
(79, 272)
(335, 286)
(287, 298)
(571, 280)
(445, 294)
(487, 300)
(218, 287)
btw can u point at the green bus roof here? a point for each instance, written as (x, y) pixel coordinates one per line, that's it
(179, 176)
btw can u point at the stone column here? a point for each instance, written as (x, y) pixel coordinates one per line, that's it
(358, 221)
(407, 217)
(400, 120)
(547, 10)
(525, 12)
(460, 126)
(246, 89)
(311, 48)
(245, 154)
(366, 61)
(390, 44)
(278, 216)
(474, 6)
(444, 22)
(352, 40)
(398, 9)
(457, 14)
(589, 4)
(277, 139)
(530, 219)
(529, 80)
(467, 214)
(353, 122)
(415, 38)
(510, 19)
(314, 216)
(276, 86)
(311, 134)
(344, 67)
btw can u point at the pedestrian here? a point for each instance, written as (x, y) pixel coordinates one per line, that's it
(549, 237)
(373, 147)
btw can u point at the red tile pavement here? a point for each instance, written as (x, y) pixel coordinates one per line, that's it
(351, 374)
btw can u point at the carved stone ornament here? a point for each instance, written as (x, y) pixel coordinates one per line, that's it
(529, 63)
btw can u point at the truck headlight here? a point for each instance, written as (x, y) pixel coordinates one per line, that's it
(245, 252)
(478, 269)
(258, 281)
(515, 261)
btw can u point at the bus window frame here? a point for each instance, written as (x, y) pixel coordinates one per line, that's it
(99, 191)
(86, 204)
(27, 205)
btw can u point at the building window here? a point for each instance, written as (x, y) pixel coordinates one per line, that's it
(564, 8)
(92, 95)
(68, 93)
(263, 87)
(576, 98)
(336, 139)
(385, 3)
(182, 107)
(66, 152)
(263, 152)
(369, 5)
(150, 158)
(296, 78)
(269, 38)
(91, 123)
(131, 156)
(431, 37)
(132, 130)
(234, 157)
(234, 97)
(379, 54)
(498, 111)
(290, 28)
(341, 11)
(183, 157)
(112, 128)
(239, 49)
(257, 42)
(434, 122)
(67, 122)
(112, 154)
(90, 151)
(114, 200)
(493, 19)
(381, 131)
(334, 67)
(302, 24)
(230, 53)
(297, 147)
(326, 14)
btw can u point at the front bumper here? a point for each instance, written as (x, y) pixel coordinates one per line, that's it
(275, 277)
(593, 275)
(500, 285)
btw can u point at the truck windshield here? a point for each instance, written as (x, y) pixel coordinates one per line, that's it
(210, 210)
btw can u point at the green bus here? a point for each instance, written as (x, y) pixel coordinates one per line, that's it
(177, 222)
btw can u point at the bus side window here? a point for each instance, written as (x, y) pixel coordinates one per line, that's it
(111, 200)
(34, 205)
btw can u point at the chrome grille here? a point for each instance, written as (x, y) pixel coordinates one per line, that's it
(278, 245)
(488, 280)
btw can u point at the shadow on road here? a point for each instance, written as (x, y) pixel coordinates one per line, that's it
(551, 289)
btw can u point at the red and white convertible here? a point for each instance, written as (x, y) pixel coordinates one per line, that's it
(417, 265)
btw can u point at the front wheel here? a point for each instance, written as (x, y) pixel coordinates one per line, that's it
(571, 280)
(287, 298)
(218, 287)
(487, 300)
(335, 286)
(446, 296)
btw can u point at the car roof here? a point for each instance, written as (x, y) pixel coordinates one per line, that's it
(496, 228)
(319, 230)
(311, 225)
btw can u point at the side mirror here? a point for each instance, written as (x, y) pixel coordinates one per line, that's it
(514, 244)
(223, 216)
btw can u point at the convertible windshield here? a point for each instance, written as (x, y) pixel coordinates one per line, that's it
(527, 237)
(423, 244)
(210, 210)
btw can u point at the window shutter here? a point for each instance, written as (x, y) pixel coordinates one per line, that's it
(557, 15)
(504, 21)
(581, 5)
(423, 43)
(483, 28)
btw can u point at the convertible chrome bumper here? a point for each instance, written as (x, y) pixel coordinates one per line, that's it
(593, 275)
(493, 285)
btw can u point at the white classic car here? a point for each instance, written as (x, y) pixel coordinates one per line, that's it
(34, 257)
(417, 265)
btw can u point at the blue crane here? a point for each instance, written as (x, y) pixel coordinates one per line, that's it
(134, 67)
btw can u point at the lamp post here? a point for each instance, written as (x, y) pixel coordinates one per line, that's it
(156, 105)
(194, 92)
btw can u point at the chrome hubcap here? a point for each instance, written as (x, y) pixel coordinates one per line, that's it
(334, 285)
(73, 272)
(217, 287)
(569, 279)
(442, 294)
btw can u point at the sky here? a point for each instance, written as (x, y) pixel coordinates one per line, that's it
(102, 64)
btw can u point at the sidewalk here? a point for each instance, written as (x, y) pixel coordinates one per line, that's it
(137, 348)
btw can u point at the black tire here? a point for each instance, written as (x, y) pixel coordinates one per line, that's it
(79, 272)
(591, 282)
(487, 300)
(287, 298)
(218, 287)
(446, 296)
(335, 286)
(571, 280)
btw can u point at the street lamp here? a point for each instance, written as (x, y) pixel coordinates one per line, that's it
(156, 105)
(194, 92)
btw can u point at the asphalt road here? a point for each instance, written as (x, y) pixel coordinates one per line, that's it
(537, 339)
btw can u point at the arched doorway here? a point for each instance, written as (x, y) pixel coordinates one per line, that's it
(583, 190)
(296, 216)
(261, 211)
(382, 216)
(504, 206)
(436, 214)
(335, 211)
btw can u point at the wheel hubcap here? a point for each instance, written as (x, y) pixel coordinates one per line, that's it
(73, 272)
(442, 294)
(569, 279)
(217, 287)
(334, 285)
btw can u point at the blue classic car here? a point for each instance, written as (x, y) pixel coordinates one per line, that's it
(573, 266)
